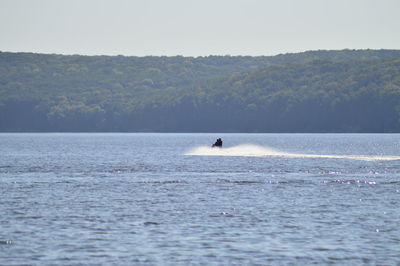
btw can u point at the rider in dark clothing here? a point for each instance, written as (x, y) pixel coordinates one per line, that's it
(218, 143)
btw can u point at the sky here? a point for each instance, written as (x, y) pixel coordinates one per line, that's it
(197, 27)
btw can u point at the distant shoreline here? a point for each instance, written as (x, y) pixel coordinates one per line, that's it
(316, 91)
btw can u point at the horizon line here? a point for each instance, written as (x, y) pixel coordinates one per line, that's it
(197, 56)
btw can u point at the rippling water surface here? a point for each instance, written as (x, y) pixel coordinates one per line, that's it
(169, 199)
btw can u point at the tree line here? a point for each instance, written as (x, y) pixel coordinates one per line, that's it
(315, 91)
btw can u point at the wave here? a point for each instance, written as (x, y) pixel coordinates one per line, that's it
(248, 150)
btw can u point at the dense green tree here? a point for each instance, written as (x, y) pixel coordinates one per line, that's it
(316, 91)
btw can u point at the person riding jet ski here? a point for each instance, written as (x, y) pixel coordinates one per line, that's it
(218, 143)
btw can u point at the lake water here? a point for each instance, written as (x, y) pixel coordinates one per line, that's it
(169, 199)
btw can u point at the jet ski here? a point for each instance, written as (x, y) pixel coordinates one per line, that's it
(217, 143)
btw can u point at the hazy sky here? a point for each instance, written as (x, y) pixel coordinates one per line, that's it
(197, 27)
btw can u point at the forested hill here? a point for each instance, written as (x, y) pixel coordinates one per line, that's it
(316, 91)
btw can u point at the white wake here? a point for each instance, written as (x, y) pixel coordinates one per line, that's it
(261, 151)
